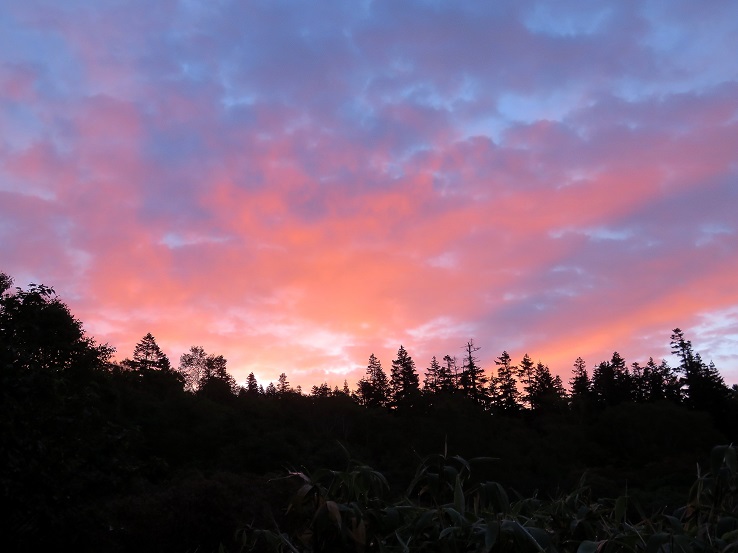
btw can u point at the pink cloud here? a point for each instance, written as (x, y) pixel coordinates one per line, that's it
(298, 190)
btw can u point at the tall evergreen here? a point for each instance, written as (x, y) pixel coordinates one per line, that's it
(473, 379)
(373, 389)
(611, 382)
(579, 382)
(526, 375)
(507, 396)
(252, 386)
(546, 391)
(451, 369)
(624, 388)
(283, 385)
(705, 387)
(404, 382)
(147, 356)
(431, 382)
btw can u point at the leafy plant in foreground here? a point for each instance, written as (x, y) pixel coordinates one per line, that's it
(444, 510)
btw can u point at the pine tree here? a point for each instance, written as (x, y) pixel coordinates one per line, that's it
(505, 386)
(451, 372)
(603, 384)
(373, 389)
(473, 379)
(147, 356)
(431, 382)
(546, 391)
(705, 387)
(283, 385)
(404, 381)
(579, 383)
(623, 381)
(526, 375)
(323, 390)
(252, 387)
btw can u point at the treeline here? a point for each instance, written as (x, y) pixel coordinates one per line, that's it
(514, 389)
(141, 455)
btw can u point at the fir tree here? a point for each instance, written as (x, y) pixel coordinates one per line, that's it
(705, 387)
(283, 385)
(505, 385)
(473, 379)
(526, 375)
(147, 356)
(373, 389)
(252, 386)
(404, 382)
(431, 382)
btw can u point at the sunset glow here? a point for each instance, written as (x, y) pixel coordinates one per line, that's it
(298, 185)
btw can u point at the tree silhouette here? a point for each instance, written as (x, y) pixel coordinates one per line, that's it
(37, 331)
(546, 391)
(5, 283)
(283, 385)
(193, 367)
(705, 388)
(526, 376)
(505, 387)
(431, 380)
(404, 382)
(252, 386)
(473, 379)
(206, 374)
(147, 355)
(373, 389)
(321, 391)
(452, 371)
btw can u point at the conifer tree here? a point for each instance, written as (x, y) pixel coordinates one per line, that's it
(705, 387)
(373, 389)
(147, 356)
(579, 383)
(451, 372)
(546, 391)
(603, 384)
(505, 386)
(283, 385)
(624, 388)
(323, 390)
(431, 382)
(473, 379)
(526, 375)
(404, 382)
(252, 386)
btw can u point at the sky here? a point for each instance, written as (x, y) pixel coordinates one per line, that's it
(298, 185)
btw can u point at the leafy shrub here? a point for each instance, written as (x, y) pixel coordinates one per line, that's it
(444, 510)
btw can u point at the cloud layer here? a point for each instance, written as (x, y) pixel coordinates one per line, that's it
(297, 186)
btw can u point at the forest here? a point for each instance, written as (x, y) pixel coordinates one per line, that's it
(140, 455)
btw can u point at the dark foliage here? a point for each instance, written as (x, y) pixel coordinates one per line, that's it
(104, 457)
